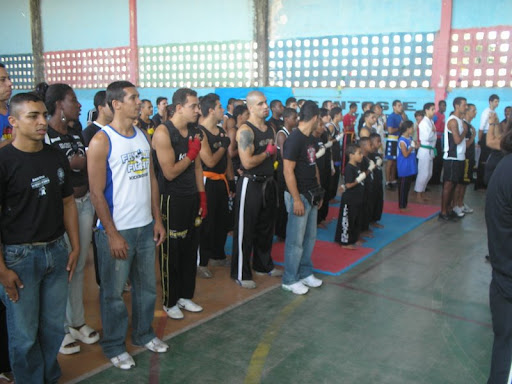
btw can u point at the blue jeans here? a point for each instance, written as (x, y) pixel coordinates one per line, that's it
(34, 322)
(300, 241)
(140, 268)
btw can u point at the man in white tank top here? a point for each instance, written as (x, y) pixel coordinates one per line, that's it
(453, 159)
(124, 192)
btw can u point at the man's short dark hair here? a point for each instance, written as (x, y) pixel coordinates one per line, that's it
(364, 104)
(208, 102)
(323, 112)
(22, 98)
(335, 111)
(458, 101)
(170, 109)
(364, 141)
(2, 65)
(308, 111)
(289, 112)
(395, 102)
(239, 110)
(274, 104)
(160, 99)
(352, 105)
(493, 97)
(367, 113)
(375, 136)
(100, 98)
(115, 91)
(352, 148)
(231, 100)
(375, 106)
(180, 96)
(326, 103)
(290, 100)
(427, 106)
(441, 102)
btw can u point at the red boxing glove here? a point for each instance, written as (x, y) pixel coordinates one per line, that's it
(271, 149)
(194, 146)
(202, 204)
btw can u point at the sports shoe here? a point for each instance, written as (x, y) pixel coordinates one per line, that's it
(85, 334)
(123, 361)
(204, 272)
(298, 288)
(274, 273)
(311, 281)
(249, 284)
(467, 209)
(157, 345)
(458, 211)
(174, 312)
(442, 217)
(189, 305)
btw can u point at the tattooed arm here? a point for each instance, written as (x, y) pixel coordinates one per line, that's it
(245, 140)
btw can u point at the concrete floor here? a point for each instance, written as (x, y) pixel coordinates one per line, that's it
(416, 312)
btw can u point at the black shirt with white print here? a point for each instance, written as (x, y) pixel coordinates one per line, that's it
(353, 195)
(301, 149)
(32, 186)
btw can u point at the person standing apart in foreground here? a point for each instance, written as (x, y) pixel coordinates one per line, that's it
(303, 197)
(124, 192)
(37, 207)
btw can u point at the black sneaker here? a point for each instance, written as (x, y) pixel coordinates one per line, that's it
(442, 217)
(453, 216)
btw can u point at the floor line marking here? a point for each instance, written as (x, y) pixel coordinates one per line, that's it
(417, 306)
(260, 354)
(174, 334)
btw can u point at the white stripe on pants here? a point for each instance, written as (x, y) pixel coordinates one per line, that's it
(424, 174)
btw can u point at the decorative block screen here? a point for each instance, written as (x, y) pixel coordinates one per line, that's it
(20, 68)
(89, 68)
(481, 57)
(398, 60)
(213, 64)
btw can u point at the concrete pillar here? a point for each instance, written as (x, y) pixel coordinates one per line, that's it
(134, 46)
(37, 40)
(441, 56)
(261, 27)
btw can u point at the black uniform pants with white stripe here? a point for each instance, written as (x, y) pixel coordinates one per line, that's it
(349, 223)
(254, 228)
(501, 310)
(214, 229)
(178, 253)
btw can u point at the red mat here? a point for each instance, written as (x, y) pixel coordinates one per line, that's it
(328, 257)
(417, 210)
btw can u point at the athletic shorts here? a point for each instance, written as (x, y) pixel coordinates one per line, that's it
(453, 170)
(391, 147)
(467, 177)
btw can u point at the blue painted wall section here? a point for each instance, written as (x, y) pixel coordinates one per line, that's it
(478, 13)
(15, 33)
(76, 24)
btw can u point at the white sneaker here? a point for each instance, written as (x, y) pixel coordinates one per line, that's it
(458, 211)
(249, 284)
(174, 312)
(189, 305)
(157, 345)
(298, 288)
(467, 209)
(311, 281)
(123, 361)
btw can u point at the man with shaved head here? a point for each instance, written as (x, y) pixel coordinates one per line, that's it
(256, 195)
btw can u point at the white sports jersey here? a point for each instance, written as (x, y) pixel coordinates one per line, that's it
(454, 151)
(128, 184)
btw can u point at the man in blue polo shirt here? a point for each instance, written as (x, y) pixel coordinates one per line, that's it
(393, 124)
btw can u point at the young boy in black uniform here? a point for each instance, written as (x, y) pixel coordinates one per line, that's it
(367, 166)
(349, 219)
(378, 188)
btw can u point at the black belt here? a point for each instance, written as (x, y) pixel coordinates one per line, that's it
(265, 180)
(257, 178)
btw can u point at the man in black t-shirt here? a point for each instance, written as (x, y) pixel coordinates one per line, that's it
(143, 121)
(37, 206)
(302, 198)
(276, 121)
(161, 115)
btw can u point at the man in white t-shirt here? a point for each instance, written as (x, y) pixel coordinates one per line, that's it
(494, 101)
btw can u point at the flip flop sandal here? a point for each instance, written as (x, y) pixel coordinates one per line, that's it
(85, 334)
(4, 378)
(69, 345)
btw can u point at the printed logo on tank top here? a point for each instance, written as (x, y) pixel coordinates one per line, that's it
(264, 142)
(137, 163)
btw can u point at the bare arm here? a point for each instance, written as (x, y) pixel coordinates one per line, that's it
(232, 149)
(165, 153)
(493, 138)
(209, 158)
(281, 138)
(97, 170)
(199, 176)
(71, 224)
(230, 173)
(403, 148)
(9, 279)
(230, 124)
(245, 140)
(291, 184)
(454, 129)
